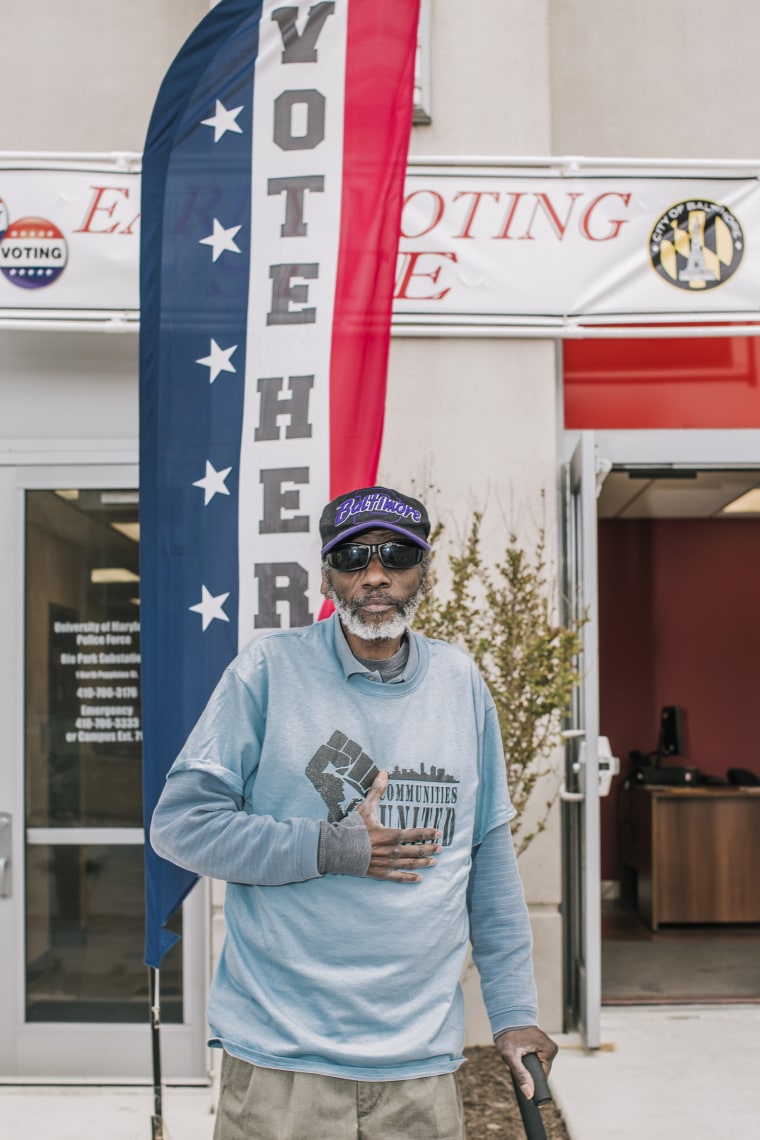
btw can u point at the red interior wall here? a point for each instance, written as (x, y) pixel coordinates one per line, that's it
(679, 624)
(703, 382)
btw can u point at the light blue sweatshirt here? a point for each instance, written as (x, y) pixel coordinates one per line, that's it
(339, 974)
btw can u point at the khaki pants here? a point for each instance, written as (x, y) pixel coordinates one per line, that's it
(275, 1104)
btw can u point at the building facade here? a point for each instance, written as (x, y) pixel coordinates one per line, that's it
(487, 417)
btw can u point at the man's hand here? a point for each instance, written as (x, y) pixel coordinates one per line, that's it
(512, 1046)
(391, 850)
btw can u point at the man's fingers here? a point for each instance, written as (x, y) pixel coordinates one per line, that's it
(367, 809)
(394, 876)
(404, 854)
(523, 1075)
(380, 783)
(376, 792)
(417, 860)
(523, 1078)
(397, 853)
(418, 835)
(410, 837)
(514, 1044)
(397, 860)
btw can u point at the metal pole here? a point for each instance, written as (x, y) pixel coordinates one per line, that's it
(157, 1121)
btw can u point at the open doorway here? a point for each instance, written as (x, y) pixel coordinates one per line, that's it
(679, 625)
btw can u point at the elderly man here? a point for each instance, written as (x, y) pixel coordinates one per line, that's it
(347, 780)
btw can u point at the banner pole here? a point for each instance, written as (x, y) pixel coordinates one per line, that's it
(157, 1123)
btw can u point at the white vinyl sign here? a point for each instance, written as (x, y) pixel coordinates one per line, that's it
(69, 240)
(622, 247)
(496, 246)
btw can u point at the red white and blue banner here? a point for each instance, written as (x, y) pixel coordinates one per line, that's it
(272, 189)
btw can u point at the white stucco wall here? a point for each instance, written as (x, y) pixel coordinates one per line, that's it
(647, 79)
(489, 79)
(476, 419)
(69, 386)
(83, 75)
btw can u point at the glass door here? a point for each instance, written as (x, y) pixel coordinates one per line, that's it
(580, 788)
(81, 992)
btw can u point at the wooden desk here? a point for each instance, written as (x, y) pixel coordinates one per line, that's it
(696, 852)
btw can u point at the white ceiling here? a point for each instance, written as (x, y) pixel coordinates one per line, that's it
(651, 494)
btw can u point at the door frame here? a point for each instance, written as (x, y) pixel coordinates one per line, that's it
(579, 793)
(71, 1051)
(686, 449)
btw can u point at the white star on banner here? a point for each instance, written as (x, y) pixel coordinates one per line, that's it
(213, 483)
(223, 120)
(218, 360)
(210, 607)
(221, 240)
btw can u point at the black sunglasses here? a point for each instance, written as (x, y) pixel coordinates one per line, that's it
(394, 555)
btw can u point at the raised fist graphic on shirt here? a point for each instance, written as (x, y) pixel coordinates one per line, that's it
(342, 773)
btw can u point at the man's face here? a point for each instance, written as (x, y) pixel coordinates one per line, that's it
(376, 603)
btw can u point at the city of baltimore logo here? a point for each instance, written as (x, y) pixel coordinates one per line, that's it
(343, 773)
(696, 244)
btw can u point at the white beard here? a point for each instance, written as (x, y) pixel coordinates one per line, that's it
(391, 627)
(386, 630)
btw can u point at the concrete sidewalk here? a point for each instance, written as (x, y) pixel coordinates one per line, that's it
(664, 1073)
(98, 1113)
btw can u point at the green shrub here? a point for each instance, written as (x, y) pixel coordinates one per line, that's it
(504, 617)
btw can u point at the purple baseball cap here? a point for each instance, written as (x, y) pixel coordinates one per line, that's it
(373, 508)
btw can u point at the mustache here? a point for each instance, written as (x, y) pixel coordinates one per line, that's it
(378, 596)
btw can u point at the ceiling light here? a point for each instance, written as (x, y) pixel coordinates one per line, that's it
(129, 529)
(104, 575)
(116, 498)
(746, 504)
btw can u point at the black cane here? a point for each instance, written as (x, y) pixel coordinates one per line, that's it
(531, 1117)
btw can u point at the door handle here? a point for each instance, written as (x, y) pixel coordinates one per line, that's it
(564, 795)
(570, 797)
(5, 855)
